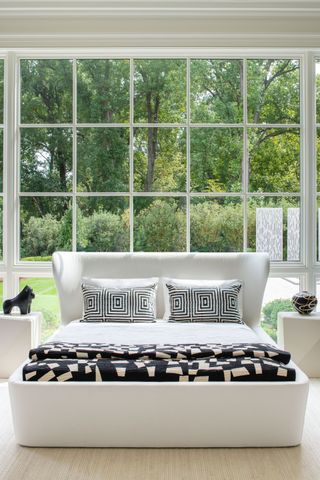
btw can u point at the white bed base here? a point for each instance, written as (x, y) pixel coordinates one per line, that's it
(262, 414)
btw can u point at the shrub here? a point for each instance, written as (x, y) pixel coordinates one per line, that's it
(270, 314)
(160, 227)
(216, 228)
(103, 231)
(40, 236)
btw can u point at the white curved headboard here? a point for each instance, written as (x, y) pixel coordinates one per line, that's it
(70, 267)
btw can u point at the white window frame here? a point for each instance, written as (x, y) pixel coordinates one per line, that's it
(12, 268)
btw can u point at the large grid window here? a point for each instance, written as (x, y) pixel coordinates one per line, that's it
(160, 155)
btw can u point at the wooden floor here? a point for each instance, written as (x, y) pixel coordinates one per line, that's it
(297, 463)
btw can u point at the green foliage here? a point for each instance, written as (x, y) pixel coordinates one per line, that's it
(274, 160)
(160, 90)
(216, 94)
(216, 91)
(318, 90)
(160, 226)
(103, 159)
(270, 314)
(273, 91)
(46, 160)
(1, 228)
(216, 159)
(169, 174)
(103, 91)
(46, 91)
(40, 236)
(1, 159)
(103, 232)
(1, 89)
(216, 226)
(45, 224)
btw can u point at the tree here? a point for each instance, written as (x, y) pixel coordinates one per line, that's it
(160, 165)
(159, 97)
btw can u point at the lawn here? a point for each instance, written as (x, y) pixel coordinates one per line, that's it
(46, 301)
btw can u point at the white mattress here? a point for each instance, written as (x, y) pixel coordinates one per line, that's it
(159, 332)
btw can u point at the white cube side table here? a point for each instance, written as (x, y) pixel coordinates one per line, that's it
(18, 333)
(300, 335)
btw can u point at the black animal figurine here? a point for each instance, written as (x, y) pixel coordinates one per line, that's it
(22, 300)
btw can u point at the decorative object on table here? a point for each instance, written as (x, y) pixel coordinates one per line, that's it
(304, 302)
(22, 301)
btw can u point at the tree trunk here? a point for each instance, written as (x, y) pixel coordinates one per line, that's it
(152, 154)
(152, 140)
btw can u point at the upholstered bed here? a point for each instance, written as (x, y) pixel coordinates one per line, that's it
(159, 414)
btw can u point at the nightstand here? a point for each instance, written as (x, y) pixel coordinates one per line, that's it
(300, 335)
(18, 333)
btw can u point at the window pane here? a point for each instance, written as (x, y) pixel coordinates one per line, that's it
(277, 298)
(1, 228)
(273, 91)
(318, 89)
(103, 160)
(159, 224)
(318, 228)
(46, 159)
(318, 158)
(1, 90)
(103, 91)
(46, 91)
(45, 301)
(1, 159)
(216, 91)
(160, 91)
(45, 226)
(103, 224)
(216, 159)
(160, 159)
(274, 227)
(216, 224)
(274, 160)
(317, 293)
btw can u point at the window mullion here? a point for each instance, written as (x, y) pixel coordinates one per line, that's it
(74, 156)
(245, 169)
(131, 156)
(11, 178)
(188, 132)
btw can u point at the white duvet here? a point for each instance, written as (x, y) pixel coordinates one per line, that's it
(159, 333)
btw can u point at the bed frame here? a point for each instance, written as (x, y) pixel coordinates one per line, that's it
(264, 414)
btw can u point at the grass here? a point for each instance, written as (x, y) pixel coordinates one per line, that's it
(46, 301)
(36, 259)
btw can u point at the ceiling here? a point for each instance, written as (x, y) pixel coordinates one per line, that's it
(140, 23)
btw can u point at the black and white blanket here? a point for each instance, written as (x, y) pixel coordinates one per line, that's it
(99, 362)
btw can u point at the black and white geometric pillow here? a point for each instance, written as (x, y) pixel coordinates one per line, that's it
(200, 304)
(136, 304)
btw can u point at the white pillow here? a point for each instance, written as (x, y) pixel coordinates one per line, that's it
(183, 282)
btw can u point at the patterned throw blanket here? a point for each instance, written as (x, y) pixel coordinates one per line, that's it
(99, 362)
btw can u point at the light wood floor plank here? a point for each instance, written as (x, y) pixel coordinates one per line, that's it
(297, 463)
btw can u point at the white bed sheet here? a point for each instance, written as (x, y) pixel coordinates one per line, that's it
(159, 332)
